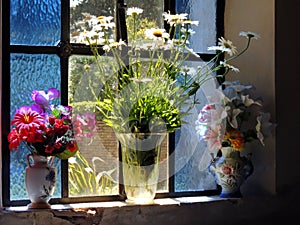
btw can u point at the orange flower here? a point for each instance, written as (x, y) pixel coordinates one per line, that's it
(235, 138)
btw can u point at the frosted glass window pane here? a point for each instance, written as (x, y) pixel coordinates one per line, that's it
(203, 11)
(191, 155)
(35, 22)
(29, 72)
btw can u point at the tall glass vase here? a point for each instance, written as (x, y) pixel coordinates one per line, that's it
(140, 164)
(40, 180)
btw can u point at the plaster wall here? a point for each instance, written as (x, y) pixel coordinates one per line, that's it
(256, 68)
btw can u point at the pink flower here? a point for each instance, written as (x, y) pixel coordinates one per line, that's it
(85, 125)
(227, 169)
(26, 119)
(213, 139)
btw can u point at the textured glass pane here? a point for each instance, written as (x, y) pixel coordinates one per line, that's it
(97, 162)
(29, 72)
(79, 15)
(152, 9)
(203, 11)
(152, 14)
(191, 154)
(35, 22)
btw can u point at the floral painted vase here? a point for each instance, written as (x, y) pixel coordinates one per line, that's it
(230, 171)
(40, 180)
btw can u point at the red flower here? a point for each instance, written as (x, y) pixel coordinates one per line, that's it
(14, 139)
(72, 146)
(35, 136)
(57, 145)
(60, 128)
(49, 149)
(50, 131)
(51, 120)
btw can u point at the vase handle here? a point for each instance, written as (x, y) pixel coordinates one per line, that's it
(51, 160)
(28, 159)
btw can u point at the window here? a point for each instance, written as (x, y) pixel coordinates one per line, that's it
(39, 54)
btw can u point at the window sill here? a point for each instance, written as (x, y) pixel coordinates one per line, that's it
(157, 202)
(163, 211)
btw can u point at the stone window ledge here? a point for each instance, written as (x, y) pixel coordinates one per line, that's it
(164, 211)
(110, 204)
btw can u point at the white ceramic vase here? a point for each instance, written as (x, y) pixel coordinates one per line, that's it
(40, 180)
(230, 171)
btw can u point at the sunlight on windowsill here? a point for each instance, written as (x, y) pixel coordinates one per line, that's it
(157, 202)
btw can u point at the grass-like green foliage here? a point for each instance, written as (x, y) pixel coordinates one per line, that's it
(85, 180)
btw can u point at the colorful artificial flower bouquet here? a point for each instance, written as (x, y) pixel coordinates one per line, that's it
(233, 118)
(146, 84)
(46, 129)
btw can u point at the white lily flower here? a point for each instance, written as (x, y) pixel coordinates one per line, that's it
(248, 101)
(232, 117)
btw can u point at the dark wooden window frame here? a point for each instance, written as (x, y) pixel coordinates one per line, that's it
(64, 50)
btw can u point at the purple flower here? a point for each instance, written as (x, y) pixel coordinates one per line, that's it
(42, 99)
(53, 93)
(38, 109)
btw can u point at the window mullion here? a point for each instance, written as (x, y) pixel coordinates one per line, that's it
(121, 29)
(5, 95)
(121, 33)
(65, 52)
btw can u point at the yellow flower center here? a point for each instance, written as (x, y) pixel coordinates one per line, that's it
(157, 33)
(26, 118)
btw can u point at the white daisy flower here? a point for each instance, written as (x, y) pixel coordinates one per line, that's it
(228, 45)
(249, 34)
(175, 19)
(230, 67)
(133, 11)
(156, 33)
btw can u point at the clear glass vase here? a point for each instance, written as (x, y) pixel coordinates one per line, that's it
(140, 164)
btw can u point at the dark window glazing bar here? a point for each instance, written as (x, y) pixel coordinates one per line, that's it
(65, 51)
(220, 17)
(5, 106)
(121, 31)
(220, 30)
